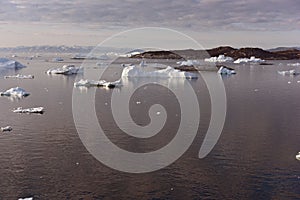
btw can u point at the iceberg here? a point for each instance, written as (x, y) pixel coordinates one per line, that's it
(57, 59)
(220, 58)
(294, 64)
(188, 62)
(298, 156)
(19, 76)
(169, 72)
(252, 59)
(39, 110)
(15, 92)
(27, 198)
(226, 71)
(289, 72)
(65, 70)
(6, 129)
(10, 64)
(101, 83)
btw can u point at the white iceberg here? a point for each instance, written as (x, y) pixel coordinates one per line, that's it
(289, 72)
(15, 92)
(10, 64)
(169, 72)
(298, 156)
(220, 58)
(6, 129)
(39, 110)
(188, 62)
(294, 64)
(252, 59)
(19, 76)
(226, 71)
(65, 70)
(26, 198)
(101, 83)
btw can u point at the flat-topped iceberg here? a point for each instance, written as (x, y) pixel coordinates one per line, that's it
(188, 62)
(65, 70)
(15, 92)
(226, 71)
(220, 58)
(169, 72)
(252, 59)
(101, 83)
(19, 76)
(39, 110)
(10, 64)
(6, 129)
(289, 72)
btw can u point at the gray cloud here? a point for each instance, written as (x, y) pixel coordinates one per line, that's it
(193, 14)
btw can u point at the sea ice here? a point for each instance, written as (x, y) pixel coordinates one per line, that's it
(39, 110)
(19, 76)
(220, 58)
(66, 70)
(169, 72)
(6, 129)
(252, 59)
(289, 72)
(226, 71)
(101, 83)
(15, 92)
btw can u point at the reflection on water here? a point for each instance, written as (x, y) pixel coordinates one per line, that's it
(254, 158)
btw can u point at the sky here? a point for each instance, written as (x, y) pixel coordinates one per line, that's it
(212, 23)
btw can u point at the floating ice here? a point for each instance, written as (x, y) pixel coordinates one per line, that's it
(66, 70)
(188, 62)
(101, 83)
(57, 59)
(39, 110)
(298, 156)
(252, 59)
(220, 58)
(10, 64)
(15, 92)
(26, 198)
(19, 76)
(294, 64)
(6, 129)
(226, 71)
(169, 72)
(289, 72)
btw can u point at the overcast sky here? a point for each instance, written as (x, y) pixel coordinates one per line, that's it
(265, 23)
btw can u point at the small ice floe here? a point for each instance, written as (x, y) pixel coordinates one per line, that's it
(220, 58)
(169, 72)
(252, 59)
(226, 70)
(65, 70)
(57, 59)
(298, 156)
(26, 198)
(101, 83)
(294, 64)
(289, 72)
(188, 62)
(19, 76)
(6, 129)
(38, 110)
(15, 92)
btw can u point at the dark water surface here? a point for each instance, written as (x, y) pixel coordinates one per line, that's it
(43, 157)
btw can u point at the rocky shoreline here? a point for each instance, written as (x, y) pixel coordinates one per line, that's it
(288, 54)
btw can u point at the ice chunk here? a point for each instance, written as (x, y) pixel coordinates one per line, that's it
(57, 59)
(26, 198)
(6, 129)
(15, 92)
(289, 72)
(188, 62)
(226, 71)
(294, 64)
(101, 83)
(298, 156)
(66, 70)
(252, 59)
(220, 58)
(39, 110)
(19, 76)
(169, 72)
(10, 64)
